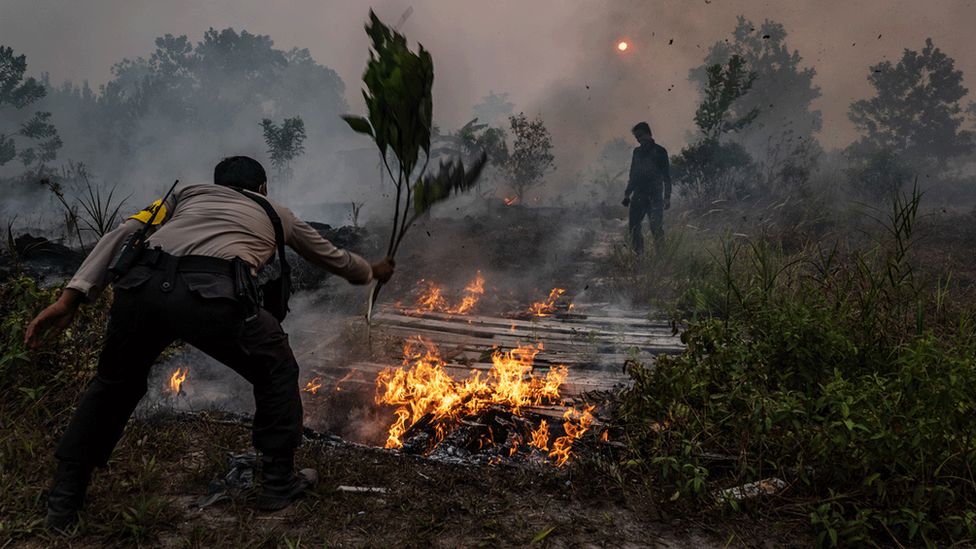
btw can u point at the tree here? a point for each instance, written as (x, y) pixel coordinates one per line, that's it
(782, 91)
(531, 154)
(203, 96)
(725, 84)
(916, 112)
(285, 143)
(41, 140)
(710, 168)
(470, 140)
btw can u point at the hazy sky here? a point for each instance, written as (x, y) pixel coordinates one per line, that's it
(544, 53)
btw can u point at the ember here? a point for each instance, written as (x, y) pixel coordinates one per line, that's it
(510, 200)
(345, 378)
(313, 385)
(480, 412)
(176, 380)
(433, 300)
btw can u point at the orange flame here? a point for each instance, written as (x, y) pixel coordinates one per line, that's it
(540, 436)
(547, 307)
(176, 380)
(422, 389)
(433, 300)
(313, 385)
(510, 200)
(562, 445)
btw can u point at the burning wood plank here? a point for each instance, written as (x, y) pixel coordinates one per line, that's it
(474, 413)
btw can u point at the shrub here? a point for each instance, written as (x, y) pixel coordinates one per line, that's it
(835, 370)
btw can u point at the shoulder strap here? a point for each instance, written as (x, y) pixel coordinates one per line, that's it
(276, 223)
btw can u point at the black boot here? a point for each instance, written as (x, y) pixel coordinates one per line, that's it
(280, 486)
(67, 495)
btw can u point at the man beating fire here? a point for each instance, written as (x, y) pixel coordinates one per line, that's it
(194, 282)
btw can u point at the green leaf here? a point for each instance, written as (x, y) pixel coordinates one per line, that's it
(451, 177)
(359, 124)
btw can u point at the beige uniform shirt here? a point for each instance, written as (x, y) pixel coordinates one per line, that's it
(220, 222)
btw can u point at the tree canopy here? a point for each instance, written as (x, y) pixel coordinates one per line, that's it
(783, 89)
(207, 95)
(34, 138)
(917, 110)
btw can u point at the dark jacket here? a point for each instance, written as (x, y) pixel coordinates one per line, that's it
(650, 173)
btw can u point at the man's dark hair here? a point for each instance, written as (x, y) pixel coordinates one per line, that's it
(240, 171)
(641, 127)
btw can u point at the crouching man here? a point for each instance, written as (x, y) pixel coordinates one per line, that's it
(194, 283)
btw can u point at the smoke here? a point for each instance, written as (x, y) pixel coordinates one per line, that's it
(553, 59)
(606, 91)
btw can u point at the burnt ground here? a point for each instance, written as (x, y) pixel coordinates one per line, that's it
(164, 465)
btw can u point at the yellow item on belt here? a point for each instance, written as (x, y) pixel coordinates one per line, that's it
(144, 215)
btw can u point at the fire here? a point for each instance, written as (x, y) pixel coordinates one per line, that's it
(424, 392)
(313, 385)
(576, 424)
(433, 300)
(176, 380)
(622, 45)
(540, 437)
(547, 307)
(473, 293)
(510, 200)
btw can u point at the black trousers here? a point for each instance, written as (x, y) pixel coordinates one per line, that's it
(641, 206)
(152, 309)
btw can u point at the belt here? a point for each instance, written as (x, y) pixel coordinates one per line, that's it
(160, 260)
(237, 269)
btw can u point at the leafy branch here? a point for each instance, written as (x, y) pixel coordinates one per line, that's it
(399, 108)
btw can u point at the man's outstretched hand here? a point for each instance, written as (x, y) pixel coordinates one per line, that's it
(383, 270)
(54, 319)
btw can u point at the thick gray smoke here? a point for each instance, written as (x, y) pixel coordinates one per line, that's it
(543, 53)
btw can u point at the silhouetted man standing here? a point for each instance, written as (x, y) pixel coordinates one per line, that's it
(650, 185)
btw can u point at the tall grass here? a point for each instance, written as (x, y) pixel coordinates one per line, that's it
(837, 369)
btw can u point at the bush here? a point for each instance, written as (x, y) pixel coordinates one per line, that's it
(712, 170)
(39, 390)
(879, 174)
(837, 371)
